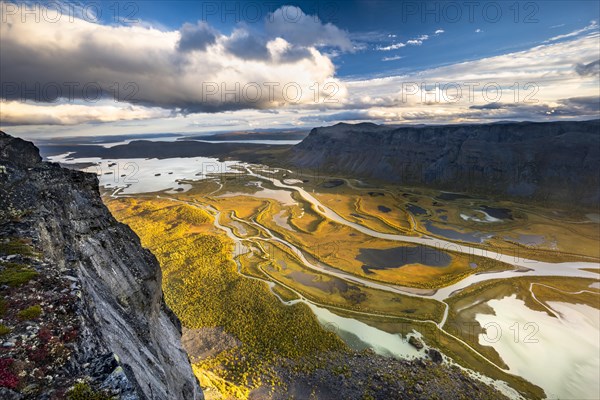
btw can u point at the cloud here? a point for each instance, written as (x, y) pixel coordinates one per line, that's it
(546, 77)
(196, 37)
(415, 42)
(354, 115)
(412, 42)
(194, 69)
(587, 106)
(572, 108)
(294, 53)
(17, 113)
(170, 78)
(478, 30)
(291, 24)
(394, 46)
(247, 46)
(591, 69)
(393, 58)
(439, 31)
(593, 25)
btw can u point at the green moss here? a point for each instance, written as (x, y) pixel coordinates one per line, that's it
(15, 274)
(4, 330)
(30, 312)
(83, 391)
(16, 246)
(342, 370)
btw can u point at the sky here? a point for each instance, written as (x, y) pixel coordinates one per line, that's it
(138, 67)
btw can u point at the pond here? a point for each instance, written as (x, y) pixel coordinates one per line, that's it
(481, 216)
(332, 183)
(327, 285)
(360, 336)
(283, 196)
(395, 257)
(496, 212)
(416, 210)
(528, 240)
(282, 220)
(452, 196)
(473, 237)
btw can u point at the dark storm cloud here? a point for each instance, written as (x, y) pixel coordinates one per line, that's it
(247, 46)
(492, 106)
(78, 61)
(589, 105)
(196, 37)
(574, 106)
(294, 54)
(591, 69)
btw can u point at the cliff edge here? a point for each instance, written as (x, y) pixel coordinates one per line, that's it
(82, 304)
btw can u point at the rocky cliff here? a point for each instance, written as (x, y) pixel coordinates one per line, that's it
(82, 300)
(555, 161)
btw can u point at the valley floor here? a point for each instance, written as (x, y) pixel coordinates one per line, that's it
(304, 286)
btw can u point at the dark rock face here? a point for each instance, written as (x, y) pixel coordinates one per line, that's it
(435, 355)
(18, 152)
(554, 161)
(124, 320)
(367, 375)
(415, 342)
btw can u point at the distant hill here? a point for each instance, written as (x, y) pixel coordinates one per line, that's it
(554, 162)
(551, 161)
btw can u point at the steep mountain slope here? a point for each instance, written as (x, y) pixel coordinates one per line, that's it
(86, 269)
(554, 161)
